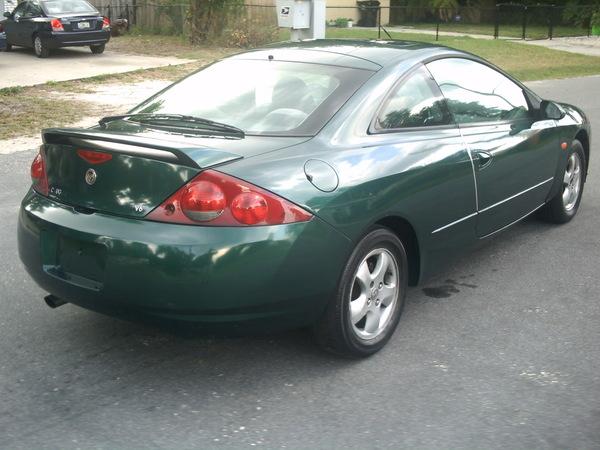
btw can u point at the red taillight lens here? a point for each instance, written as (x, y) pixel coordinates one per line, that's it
(93, 157)
(249, 208)
(38, 174)
(203, 201)
(105, 23)
(56, 25)
(216, 199)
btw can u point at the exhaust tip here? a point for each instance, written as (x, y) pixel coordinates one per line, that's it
(53, 301)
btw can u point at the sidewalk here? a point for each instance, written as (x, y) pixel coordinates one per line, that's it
(584, 45)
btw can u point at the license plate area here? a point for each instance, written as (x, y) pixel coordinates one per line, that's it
(78, 262)
(83, 25)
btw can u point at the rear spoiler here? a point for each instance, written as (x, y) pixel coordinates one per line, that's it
(90, 139)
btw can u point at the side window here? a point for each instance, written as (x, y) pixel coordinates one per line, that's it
(35, 10)
(415, 102)
(29, 10)
(19, 11)
(478, 93)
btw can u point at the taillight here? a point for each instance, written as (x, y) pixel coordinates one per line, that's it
(105, 23)
(216, 199)
(94, 157)
(38, 174)
(56, 25)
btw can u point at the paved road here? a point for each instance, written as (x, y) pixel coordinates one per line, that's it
(511, 359)
(21, 67)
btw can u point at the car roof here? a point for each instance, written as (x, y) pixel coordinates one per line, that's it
(366, 54)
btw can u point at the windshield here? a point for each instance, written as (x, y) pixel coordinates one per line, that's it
(67, 6)
(261, 97)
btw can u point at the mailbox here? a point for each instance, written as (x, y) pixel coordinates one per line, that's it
(294, 14)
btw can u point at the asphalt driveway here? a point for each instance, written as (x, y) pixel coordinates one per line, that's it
(499, 351)
(21, 67)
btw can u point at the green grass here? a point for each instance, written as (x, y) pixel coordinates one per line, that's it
(526, 62)
(24, 114)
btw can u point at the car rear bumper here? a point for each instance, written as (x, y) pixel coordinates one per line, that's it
(281, 276)
(75, 38)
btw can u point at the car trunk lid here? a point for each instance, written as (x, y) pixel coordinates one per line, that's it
(138, 172)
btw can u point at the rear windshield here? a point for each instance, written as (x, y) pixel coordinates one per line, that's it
(262, 97)
(67, 6)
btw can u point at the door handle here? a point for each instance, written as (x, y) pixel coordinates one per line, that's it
(483, 159)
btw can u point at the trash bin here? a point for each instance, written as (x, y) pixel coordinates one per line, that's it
(368, 12)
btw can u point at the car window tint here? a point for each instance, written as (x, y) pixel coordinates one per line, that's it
(20, 10)
(415, 102)
(34, 10)
(478, 93)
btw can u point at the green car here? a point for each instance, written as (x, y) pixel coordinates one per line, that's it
(303, 184)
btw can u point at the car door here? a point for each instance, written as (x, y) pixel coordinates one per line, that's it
(12, 24)
(435, 185)
(27, 25)
(515, 156)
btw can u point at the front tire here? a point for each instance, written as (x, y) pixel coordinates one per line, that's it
(8, 47)
(97, 49)
(369, 300)
(563, 207)
(40, 48)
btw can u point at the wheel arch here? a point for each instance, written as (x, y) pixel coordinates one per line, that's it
(406, 233)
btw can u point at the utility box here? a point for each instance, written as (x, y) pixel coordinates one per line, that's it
(294, 14)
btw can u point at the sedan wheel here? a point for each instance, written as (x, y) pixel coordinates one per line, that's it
(374, 294)
(367, 307)
(572, 182)
(565, 203)
(41, 51)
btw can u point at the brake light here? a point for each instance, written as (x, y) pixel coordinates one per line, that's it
(1, 27)
(105, 23)
(38, 174)
(56, 25)
(216, 199)
(94, 157)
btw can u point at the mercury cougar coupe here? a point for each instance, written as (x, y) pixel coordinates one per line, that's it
(303, 184)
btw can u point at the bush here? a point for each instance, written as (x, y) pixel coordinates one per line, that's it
(251, 33)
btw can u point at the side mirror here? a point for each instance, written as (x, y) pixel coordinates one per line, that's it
(551, 110)
(7, 15)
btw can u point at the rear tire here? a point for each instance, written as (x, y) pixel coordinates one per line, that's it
(563, 207)
(365, 311)
(97, 49)
(8, 47)
(40, 48)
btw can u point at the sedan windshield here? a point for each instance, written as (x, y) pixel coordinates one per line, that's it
(261, 97)
(67, 6)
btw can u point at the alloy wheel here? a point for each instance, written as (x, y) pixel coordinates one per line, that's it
(374, 293)
(572, 182)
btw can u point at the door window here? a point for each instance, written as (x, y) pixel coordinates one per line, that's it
(415, 102)
(477, 93)
(19, 11)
